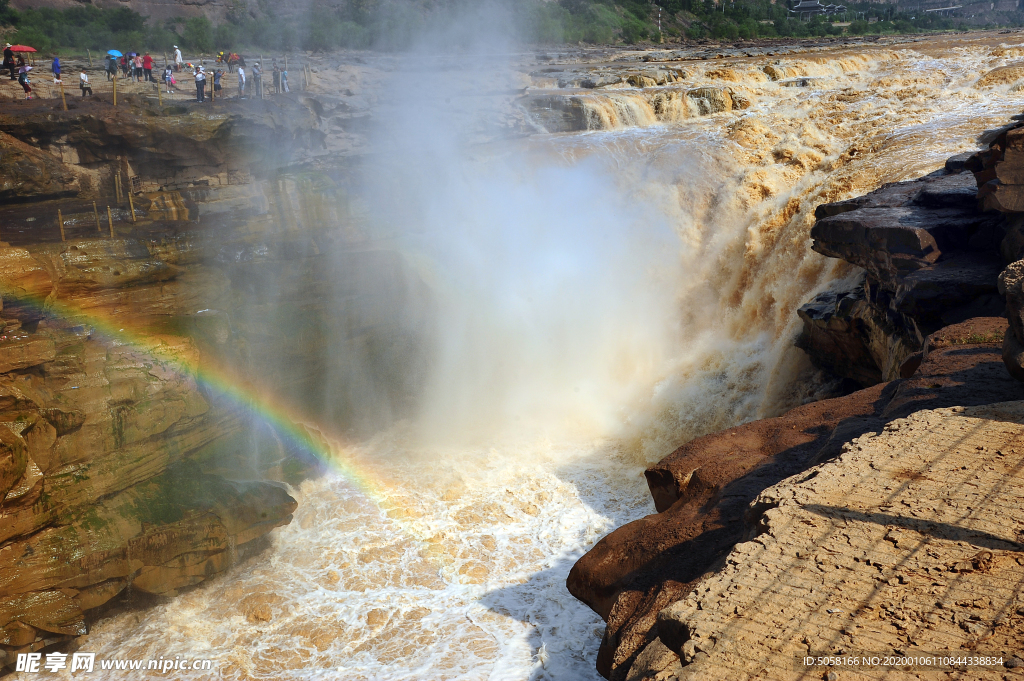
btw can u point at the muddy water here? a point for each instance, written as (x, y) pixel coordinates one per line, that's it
(438, 561)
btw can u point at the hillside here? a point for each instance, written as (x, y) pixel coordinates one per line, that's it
(206, 25)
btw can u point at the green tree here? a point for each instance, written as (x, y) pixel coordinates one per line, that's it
(226, 36)
(198, 34)
(8, 16)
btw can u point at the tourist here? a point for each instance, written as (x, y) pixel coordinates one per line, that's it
(55, 67)
(200, 85)
(83, 82)
(138, 68)
(126, 67)
(9, 61)
(111, 67)
(284, 80)
(216, 83)
(168, 78)
(177, 59)
(277, 78)
(241, 82)
(147, 67)
(23, 70)
(257, 80)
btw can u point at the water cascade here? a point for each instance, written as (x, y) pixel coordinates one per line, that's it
(572, 307)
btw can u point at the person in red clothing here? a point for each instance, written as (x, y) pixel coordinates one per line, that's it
(147, 67)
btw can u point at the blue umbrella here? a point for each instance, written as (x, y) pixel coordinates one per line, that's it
(114, 53)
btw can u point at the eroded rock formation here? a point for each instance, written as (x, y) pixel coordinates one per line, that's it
(930, 258)
(122, 464)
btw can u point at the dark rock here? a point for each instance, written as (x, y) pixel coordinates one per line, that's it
(911, 364)
(1011, 286)
(1012, 245)
(887, 196)
(948, 191)
(957, 163)
(951, 291)
(891, 242)
(930, 259)
(852, 336)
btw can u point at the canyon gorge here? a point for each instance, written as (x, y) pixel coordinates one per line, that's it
(348, 383)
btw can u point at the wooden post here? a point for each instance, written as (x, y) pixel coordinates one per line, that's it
(160, 95)
(117, 186)
(62, 99)
(60, 221)
(115, 88)
(263, 69)
(90, 57)
(95, 212)
(131, 204)
(110, 221)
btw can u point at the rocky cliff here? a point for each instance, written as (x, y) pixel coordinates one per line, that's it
(924, 327)
(159, 267)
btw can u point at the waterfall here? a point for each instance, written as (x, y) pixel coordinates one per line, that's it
(576, 306)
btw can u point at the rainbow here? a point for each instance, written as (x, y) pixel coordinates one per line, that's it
(258, 400)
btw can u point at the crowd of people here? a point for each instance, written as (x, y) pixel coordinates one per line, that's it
(133, 66)
(139, 68)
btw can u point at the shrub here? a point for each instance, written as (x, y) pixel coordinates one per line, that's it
(33, 37)
(858, 27)
(633, 31)
(226, 37)
(198, 34)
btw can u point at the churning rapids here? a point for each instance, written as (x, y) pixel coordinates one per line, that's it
(597, 298)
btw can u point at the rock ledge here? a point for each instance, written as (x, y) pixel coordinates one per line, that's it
(910, 543)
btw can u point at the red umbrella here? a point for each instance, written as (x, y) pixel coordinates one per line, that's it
(22, 48)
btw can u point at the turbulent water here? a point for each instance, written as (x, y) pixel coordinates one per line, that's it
(600, 297)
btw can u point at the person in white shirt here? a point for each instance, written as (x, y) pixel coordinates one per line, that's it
(200, 85)
(177, 58)
(241, 82)
(83, 82)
